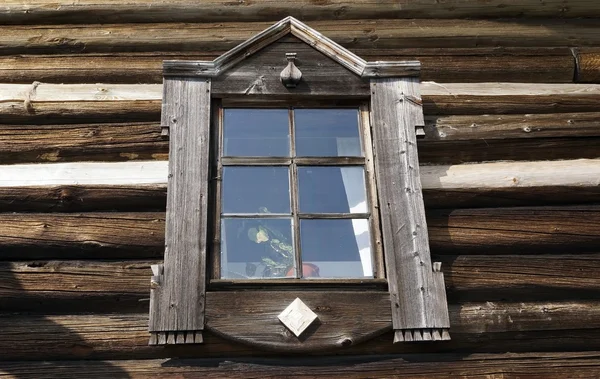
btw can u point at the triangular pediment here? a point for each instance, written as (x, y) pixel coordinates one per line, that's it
(308, 35)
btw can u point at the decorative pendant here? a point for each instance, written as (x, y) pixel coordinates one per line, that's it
(291, 75)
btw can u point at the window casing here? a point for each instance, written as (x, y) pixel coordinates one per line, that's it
(183, 300)
(300, 207)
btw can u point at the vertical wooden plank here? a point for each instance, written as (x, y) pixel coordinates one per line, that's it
(177, 304)
(418, 299)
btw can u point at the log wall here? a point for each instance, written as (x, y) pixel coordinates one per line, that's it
(510, 165)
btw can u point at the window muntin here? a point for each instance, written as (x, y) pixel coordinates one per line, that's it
(301, 213)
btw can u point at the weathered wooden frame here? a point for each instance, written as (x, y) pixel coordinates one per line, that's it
(417, 297)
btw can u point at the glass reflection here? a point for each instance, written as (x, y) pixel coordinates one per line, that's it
(339, 248)
(327, 132)
(256, 190)
(256, 132)
(329, 189)
(254, 248)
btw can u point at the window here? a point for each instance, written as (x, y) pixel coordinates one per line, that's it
(296, 194)
(308, 197)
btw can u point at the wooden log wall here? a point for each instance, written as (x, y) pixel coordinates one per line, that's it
(510, 165)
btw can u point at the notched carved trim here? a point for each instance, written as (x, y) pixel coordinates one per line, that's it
(176, 338)
(418, 335)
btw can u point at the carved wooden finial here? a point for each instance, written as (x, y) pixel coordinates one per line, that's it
(291, 75)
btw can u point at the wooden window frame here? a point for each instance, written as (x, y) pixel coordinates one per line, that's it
(365, 161)
(417, 297)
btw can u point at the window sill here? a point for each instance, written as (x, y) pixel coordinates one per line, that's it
(281, 284)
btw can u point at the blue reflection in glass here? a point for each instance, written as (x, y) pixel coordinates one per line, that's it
(256, 132)
(332, 189)
(340, 248)
(327, 132)
(256, 190)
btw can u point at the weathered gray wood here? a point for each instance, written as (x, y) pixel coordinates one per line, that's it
(111, 11)
(552, 365)
(353, 34)
(309, 36)
(177, 302)
(259, 74)
(418, 295)
(345, 318)
(122, 286)
(539, 65)
(477, 327)
(51, 103)
(524, 230)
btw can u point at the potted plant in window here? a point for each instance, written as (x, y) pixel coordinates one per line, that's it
(280, 259)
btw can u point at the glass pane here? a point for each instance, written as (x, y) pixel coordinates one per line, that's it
(336, 248)
(332, 189)
(256, 132)
(256, 190)
(327, 132)
(256, 248)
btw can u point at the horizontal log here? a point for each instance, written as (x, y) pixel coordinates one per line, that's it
(88, 285)
(482, 150)
(557, 365)
(488, 127)
(77, 198)
(142, 141)
(501, 230)
(588, 65)
(352, 34)
(134, 186)
(543, 65)
(51, 103)
(108, 234)
(474, 138)
(476, 327)
(81, 142)
(106, 11)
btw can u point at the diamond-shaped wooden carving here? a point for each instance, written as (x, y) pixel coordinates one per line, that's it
(297, 317)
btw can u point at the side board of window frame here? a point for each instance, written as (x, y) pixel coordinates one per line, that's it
(178, 288)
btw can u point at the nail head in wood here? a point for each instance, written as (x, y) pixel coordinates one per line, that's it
(164, 131)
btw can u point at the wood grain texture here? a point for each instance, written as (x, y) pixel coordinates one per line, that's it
(492, 175)
(82, 198)
(63, 11)
(417, 292)
(122, 286)
(90, 198)
(498, 230)
(351, 34)
(459, 186)
(588, 65)
(448, 139)
(344, 319)
(77, 142)
(558, 365)
(459, 128)
(50, 103)
(142, 141)
(177, 302)
(106, 235)
(543, 65)
(258, 74)
(542, 327)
